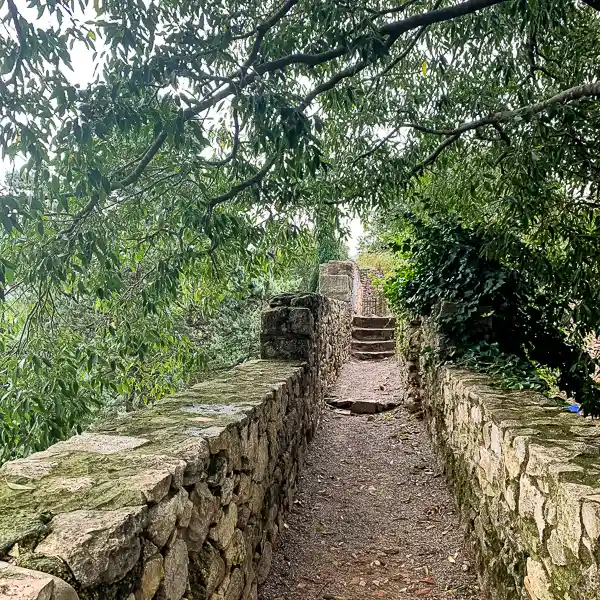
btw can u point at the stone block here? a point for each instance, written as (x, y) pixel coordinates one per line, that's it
(17, 583)
(100, 547)
(176, 572)
(162, 518)
(152, 574)
(223, 531)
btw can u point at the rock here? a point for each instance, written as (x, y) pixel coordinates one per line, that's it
(186, 514)
(339, 402)
(217, 472)
(17, 583)
(257, 498)
(235, 587)
(250, 591)
(244, 488)
(264, 564)
(27, 589)
(590, 516)
(9, 574)
(341, 412)
(235, 553)
(536, 581)
(413, 407)
(262, 460)
(227, 490)
(244, 513)
(98, 546)
(205, 512)
(153, 484)
(176, 572)
(223, 531)
(363, 407)
(211, 568)
(98, 443)
(163, 517)
(152, 575)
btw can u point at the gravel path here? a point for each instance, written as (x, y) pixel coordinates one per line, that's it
(373, 517)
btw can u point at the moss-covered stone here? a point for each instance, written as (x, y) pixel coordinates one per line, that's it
(521, 469)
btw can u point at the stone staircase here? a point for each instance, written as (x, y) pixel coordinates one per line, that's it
(373, 338)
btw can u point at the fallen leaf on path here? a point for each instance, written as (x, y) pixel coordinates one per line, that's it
(424, 592)
(19, 486)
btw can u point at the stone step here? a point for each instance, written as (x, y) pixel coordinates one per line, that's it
(374, 346)
(373, 322)
(372, 355)
(366, 334)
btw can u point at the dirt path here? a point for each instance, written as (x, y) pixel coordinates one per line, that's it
(373, 517)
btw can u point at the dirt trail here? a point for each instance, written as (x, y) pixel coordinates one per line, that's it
(373, 517)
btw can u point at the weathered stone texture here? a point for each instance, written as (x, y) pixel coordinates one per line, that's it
(184, 499)
(338, 279)
(311, 328)
(526, 476)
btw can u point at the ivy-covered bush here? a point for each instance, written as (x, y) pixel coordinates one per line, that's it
(496, 318)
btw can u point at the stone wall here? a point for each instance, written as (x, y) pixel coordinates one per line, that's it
(372, 300)
(309, 327)
(183, 499)
(526, 476)
(339, 279)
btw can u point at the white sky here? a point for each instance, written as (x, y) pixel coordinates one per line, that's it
(356, 230)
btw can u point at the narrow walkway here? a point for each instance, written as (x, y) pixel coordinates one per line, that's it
(373, 517)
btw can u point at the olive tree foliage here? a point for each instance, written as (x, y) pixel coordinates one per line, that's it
(213, 135)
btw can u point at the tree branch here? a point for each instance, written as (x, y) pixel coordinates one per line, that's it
(394, 30)
(240, 187)
(264, 27)
(569, 95)
(14, 13)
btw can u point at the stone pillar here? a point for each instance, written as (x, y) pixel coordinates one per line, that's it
(289, 328)
(310, 328)
(337, 279)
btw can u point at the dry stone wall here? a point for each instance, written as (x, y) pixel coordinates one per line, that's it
(182, 500)
(309, 327)
(339, 279)
(526, 476)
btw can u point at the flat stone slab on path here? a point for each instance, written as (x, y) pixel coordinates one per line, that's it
(373, 517)
(377, 390)
(363, 407)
